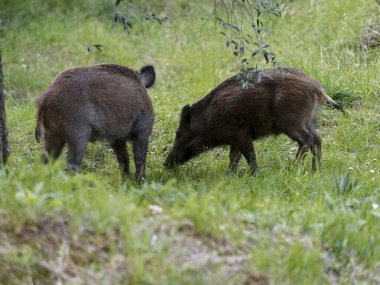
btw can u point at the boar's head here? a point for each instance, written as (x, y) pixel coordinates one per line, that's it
(188, 141)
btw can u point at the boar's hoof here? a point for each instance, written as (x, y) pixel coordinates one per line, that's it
(141, 180)
(72, 167)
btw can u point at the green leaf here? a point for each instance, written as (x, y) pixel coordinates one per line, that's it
(241, 51)
(98, 47)
(256, 52)
(258, 12)
(117, 17)
(344, 183)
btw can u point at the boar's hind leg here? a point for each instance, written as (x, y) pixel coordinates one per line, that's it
(244, 143)
(140, 148)
(77, 146)
(235, 156)
(120, 149)
(304, 138)
(317, 147)
(53, 145)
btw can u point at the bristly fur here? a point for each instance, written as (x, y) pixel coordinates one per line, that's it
(118, 69)
(105, 102)
(205, 101)
(283, 102)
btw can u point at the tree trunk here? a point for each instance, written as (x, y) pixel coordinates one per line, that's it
(4, 150)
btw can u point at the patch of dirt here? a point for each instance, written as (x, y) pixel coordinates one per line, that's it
(62, 258)
(47, 252)
(86, 257)
(209, 257)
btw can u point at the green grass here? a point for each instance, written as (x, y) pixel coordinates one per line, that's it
(283, 226)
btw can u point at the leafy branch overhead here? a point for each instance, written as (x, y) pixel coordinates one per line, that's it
(133, 11)
(242, 26)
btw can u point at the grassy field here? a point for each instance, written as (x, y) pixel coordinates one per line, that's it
(195, 224)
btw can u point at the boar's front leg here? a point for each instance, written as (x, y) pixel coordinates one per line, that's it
(121, 152)
(244, 143)
(235, 156)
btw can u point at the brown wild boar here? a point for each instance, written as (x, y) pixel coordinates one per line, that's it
(283, 102)
(105, 102)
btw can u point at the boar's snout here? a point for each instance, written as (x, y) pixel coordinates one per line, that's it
(168, 164)
(171, 160)
(178, 156)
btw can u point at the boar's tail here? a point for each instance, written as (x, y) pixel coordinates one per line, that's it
(147, 75)
(330, 101)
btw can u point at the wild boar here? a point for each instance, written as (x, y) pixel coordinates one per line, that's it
(283, 102)
(106, 102)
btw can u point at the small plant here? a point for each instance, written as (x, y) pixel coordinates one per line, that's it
(344, 184)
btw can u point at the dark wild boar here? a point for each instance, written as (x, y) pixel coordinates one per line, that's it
(105, 102)
(284, 102)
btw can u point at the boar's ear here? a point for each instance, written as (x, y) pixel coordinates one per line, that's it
(185, 117)
(147, 75)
